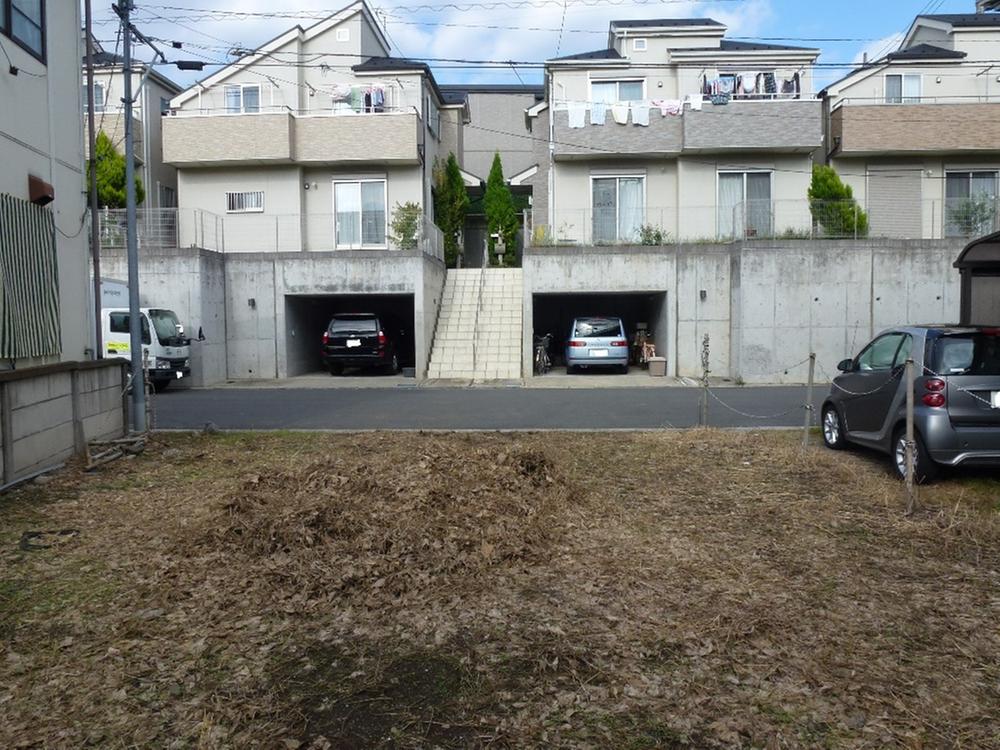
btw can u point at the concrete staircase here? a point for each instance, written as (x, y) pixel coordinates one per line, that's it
(479, 326)
(498, 332)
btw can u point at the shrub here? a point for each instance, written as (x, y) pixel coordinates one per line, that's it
(833, 207)
(405, 225)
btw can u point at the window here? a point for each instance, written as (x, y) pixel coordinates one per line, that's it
(243, 99)
(245, 203)
(359, 213)
(24, 22)
(639, 45)
(433, 118)
(119, 324)
(970, 202)
(98, 96)
(880, 355)
(619, 205)
(164, 106)
(903, 88)
(744, 204)
(610, 92)
(968, 354)
(343, 35)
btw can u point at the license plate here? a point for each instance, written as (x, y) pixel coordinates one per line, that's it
(598, 352)
(995, 397)
(179, 374)
(351, 343)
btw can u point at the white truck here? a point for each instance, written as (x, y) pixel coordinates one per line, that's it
(167, 350)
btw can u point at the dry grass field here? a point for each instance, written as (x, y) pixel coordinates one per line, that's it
(685, 589)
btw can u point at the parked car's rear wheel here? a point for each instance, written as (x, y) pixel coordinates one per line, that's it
(623, 369)
(924, 468)
(833, 428)
(335, 369)
(159, 386)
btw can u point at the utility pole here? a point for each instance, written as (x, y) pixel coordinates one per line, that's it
(134, 321)
(95, 230)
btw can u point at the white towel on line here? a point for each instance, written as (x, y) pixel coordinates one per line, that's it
(577, 114)
(598, 113)
(696, 101)
(640, 113)
(620, 112)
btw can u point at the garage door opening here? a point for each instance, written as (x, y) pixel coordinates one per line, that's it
(554, 313)
(307, 317)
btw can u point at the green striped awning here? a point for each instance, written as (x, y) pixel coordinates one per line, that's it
(29, 281)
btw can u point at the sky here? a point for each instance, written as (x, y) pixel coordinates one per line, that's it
(523, 30)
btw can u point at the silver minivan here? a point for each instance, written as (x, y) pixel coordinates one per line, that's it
(956, 397)
(597, 342)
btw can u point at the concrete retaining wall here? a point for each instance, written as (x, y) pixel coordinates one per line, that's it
(238, 299)
(48, 414)
(766, 305)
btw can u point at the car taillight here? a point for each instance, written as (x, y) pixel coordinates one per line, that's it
(619, 343)
(935, 388)
(326, 337)
(935, 385)
(381, 338)
(577, 343)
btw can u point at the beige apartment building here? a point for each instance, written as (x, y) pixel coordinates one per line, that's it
(312, 141)
(153, 93)
(917, 133)
(677, 133)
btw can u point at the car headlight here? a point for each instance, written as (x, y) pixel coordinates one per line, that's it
(163, 364)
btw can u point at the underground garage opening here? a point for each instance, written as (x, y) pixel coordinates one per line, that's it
(554, 314)
(307, 318)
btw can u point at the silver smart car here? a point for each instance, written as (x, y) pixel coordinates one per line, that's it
(597, 342)
(956, 397)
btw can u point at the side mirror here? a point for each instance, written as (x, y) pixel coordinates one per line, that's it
(201, 334)
(846, 365)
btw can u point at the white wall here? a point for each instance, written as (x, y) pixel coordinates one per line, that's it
(40, 135)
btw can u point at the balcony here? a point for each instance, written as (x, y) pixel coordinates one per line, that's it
(163, 228)
(777, 126)
(111, 122)
(664, 135)
(864, 128)
(279, 136)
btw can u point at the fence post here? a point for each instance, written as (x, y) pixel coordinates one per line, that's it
(809, 400)
(703, 406)
(7, 431)
(201, 222)
(855, 220)
(911, 485)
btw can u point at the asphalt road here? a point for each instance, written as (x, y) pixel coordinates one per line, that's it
(410, 408)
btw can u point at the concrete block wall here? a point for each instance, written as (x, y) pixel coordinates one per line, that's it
(48, 414)
(766, 305)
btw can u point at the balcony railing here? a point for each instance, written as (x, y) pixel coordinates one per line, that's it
(171, 227)
(762, 220)
(279, 135)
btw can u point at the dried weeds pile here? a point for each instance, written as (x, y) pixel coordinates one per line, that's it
(695, 589)
(338, 527)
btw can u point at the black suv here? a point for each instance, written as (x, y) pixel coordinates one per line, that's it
(360, 340)
(956, 397)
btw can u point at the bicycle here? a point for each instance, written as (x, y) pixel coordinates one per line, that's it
(543, 363)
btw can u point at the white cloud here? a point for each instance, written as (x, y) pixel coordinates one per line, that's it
(449, 34)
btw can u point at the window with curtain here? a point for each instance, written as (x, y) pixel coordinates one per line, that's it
(744, 207)
(618, 209)
(904, 88)
(98, 97)
(24, 22)
(242, 99)
(360, 214)
(610, 92)
(971, 203)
